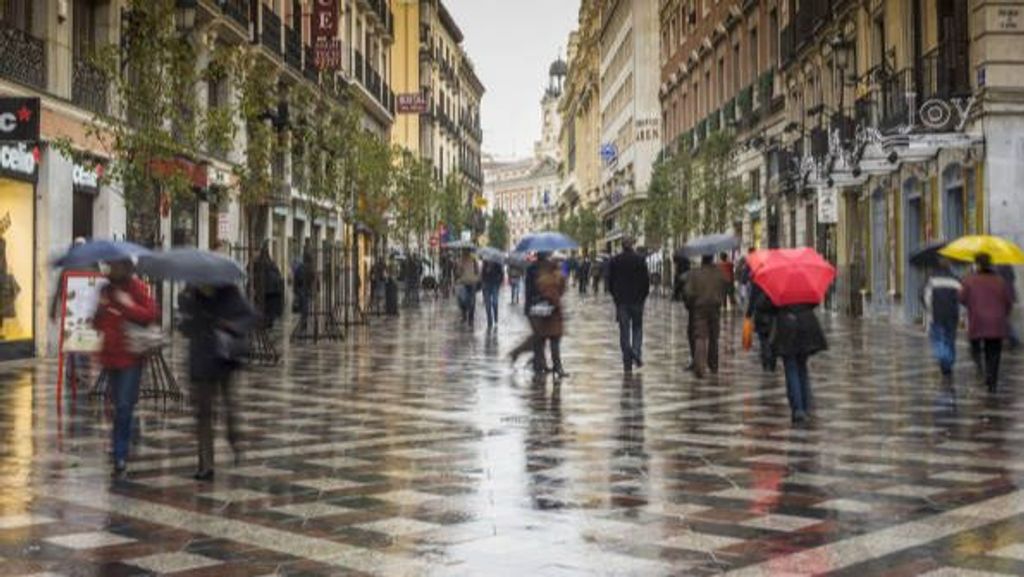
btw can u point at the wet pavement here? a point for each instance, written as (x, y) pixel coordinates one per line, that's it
(413, 448)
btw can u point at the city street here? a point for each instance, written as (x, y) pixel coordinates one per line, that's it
(413, 448)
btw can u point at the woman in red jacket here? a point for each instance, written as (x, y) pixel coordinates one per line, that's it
(124, 300)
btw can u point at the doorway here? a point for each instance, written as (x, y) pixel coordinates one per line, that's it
(912, 241)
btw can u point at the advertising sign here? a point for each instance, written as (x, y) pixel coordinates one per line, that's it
(412, 103)
(326, 45)
(19, 119)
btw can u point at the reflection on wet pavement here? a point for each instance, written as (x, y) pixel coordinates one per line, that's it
(413, 448)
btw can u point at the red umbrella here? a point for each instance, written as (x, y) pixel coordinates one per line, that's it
(794, 276)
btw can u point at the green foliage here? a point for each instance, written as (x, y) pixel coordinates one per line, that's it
(584, 226)
(452, 209)
(413, 197)
(497, 229)
(716, 195)
(667, 212)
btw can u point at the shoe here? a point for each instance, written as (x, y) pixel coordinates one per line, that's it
(800, 417)
(560, 373)
(639, 363)
(690, 366)
(120, 470)
(206, 475)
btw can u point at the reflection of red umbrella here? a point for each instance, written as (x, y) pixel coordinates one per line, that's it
(794, 276)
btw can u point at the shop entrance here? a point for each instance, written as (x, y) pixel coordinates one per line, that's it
(17, 253)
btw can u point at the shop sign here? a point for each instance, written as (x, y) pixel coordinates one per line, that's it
(218, 177)
(326, 45)
(223, 225)
(19, 119)
(84, 177)
(18, 160)
(828, 205)
(412, 103)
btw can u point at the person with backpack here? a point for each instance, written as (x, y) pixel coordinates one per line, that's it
(941, 299)
(469, 281)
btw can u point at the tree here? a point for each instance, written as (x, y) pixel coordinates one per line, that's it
(497, 229)
(451, 205)
(667, 212)
(413, 196)
(716, 193)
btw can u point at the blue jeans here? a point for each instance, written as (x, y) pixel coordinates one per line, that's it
(123, 385)
(943, 341)
(467, 300)
(798, 383)
(513, 285)
(491, 303)
(631, 332)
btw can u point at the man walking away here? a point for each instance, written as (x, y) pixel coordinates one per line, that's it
(493, 275)
(705, 293)
(989, 302)
(469, 279)
(515, 275)
(583, 275)
(729, 273)
(941, 302)
(796, 338)
(629, 283)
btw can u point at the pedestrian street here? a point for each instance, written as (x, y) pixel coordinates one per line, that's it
(414, 448)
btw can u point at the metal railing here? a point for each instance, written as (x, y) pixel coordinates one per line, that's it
(89, 87)
(293, 48)
(895, 105)
(24, 57)
(271, 29)
(237, 10)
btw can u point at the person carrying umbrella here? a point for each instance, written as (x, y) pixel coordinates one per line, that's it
(705, 294)
(124, 301)
(630, 284)
(989, 304)
(217, 321)
(940, 297)
(493, 275)
(545, 285)
(469, 279)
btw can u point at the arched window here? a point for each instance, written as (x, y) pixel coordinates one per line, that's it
(953, 202)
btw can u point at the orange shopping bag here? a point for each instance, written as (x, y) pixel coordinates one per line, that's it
(748, 333)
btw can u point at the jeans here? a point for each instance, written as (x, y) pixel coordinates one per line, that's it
(467, 300)
(513, 285)
(203, 395)
(798, 383)
(491, 303)
(631, 332)
(124, 390)
(993, 349)
(943, 341)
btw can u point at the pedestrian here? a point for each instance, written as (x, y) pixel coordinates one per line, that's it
(630, 284)
(216, 322)
(468, 280)
(583, 275)
(743, 278)
(124, 303)
(493, 275)
(545, 285)
(705, 294)
(515, 275)
(796, 337)
(681, 266)
(729, 273)
(597, 274)
(989, 304)
(267, 287)
(762, 313)
(940, 297)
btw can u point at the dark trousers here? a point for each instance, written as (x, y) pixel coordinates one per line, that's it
(631, 332)
(707, 325)
(989, 363)
(584, 280)
(765, 347)
(123, 385)
(204, 394)
(491, 303)
(536, 344)
(798, 383)
(513, 286)
(691, 339)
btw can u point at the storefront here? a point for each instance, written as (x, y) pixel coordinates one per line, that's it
(85, 185)
(18, 176)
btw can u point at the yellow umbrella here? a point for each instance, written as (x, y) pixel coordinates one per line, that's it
(1000, 250)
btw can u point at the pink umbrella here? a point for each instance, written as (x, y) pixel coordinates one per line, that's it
(794, 276)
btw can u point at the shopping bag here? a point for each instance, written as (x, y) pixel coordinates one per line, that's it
(748, 333)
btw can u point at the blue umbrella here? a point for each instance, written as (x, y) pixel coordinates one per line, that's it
(192, 266)
(488, 254)
(711, 244)
(89, 254)
(546, 242)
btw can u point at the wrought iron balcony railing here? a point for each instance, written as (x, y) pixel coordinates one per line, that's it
(89, 87)
(24, 57)
(309, 69)
(271, 29)
(237, 10)
(293, 48)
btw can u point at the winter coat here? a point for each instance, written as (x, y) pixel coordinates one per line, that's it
(469, 272)
(530, 294)
(705, 288)
(628, 278)
(268, 287)
(761, 309)
(989, 302)
(111, 317)
(493, 275)
(550, 285)
(941, 298)
(797, 332)
(227, 310)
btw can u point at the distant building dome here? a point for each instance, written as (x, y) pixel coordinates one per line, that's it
(559, 68)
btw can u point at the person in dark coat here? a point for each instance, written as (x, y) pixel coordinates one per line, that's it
(583, 275)
(705, 294)
(762, 313)
(798, 336)
(544, 288)
(492, 276)
(941, 299)
(630, 284)
(268, 287)
(989, 303)
(217, 321)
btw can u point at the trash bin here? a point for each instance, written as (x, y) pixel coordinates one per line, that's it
(391, 298)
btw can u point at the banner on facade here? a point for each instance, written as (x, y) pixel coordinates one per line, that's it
(326, 44)
(412, 103)
(19, 119)
(828, 206)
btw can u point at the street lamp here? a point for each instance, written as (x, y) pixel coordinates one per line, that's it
(185, 14)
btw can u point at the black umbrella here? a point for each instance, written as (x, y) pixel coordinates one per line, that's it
(711, 244)
(928, 255)
(192, 266)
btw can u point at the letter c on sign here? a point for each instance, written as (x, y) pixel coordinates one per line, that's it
(8, 122)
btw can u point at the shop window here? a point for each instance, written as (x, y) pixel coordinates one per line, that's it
(82, 214)
(17, 236)
(183, 223)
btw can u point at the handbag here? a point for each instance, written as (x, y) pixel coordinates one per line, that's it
(541, 310)
(748, 333)
(143, 340)
(228, 346)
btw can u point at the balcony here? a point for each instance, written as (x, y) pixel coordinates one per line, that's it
(293, 48)
(237, 10)
(271, 29)
(359, 66)
(373, 82)
(943, 76)
(309, 69)
(809, 18)
(787, 46)
(89, 87)
(24, 58)
(895, 106)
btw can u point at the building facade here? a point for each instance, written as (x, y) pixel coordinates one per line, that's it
(46, 199)
(630, 111)
(524, 189)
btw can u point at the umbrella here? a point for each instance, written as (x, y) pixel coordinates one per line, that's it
(1001, 251)
(91, 253)
(192, 266)
(794, 276)
(928, 255)
(488, 254)
(518, 259)
(546, 242)
(710, 245)
(460, 245)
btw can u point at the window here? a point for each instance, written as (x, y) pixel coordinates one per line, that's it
(17, 14)
(773, 37)
(755, 184)
(754, 57)
(84, 35)
(736, 68)
(720, 97)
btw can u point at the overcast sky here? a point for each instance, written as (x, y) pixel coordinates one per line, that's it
(512, 43)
